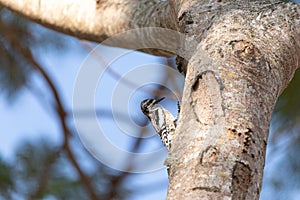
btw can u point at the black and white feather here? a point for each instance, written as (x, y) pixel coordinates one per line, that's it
(161, 119)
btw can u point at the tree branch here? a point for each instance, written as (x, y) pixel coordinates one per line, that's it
(65, 130)
(95, 20)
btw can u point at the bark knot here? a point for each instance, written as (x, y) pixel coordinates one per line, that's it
(209, 156)
(245, 50)
(209, 109)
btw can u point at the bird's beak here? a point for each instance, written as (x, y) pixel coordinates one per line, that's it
(159, 100)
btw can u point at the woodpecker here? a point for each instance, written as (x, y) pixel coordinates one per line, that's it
(161, 119)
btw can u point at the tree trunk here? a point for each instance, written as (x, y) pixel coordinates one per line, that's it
(219, 149)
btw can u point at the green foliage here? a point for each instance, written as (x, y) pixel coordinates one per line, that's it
(287, 109)
(289, 100)
(6, 179)
(13, 72)
(41, 170)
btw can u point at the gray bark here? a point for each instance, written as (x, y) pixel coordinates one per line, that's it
(219, 150)
(227, 105)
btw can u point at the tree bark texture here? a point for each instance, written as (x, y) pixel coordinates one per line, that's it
(254, 50)
(219, 151)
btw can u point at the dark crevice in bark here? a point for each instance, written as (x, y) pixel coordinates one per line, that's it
(241, 180)
(195, 87)
(186, 18)
(181, 65)
(98, 4)
(207, 189)
(200, 76)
